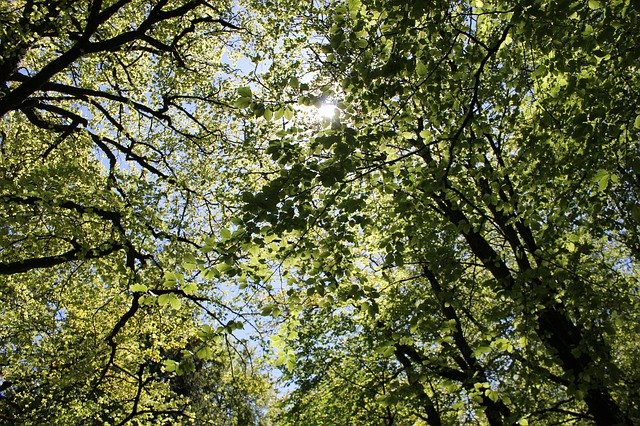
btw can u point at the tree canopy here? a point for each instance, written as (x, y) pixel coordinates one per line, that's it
(114, 127)
(458, 243)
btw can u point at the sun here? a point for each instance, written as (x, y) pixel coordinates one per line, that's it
(327, 110)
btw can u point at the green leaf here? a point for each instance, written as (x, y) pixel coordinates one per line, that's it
(290, 364)
(204, 353)
(171, 278)
(190, 288)
(169, 299)
(189, 262)
(636, 123)
(175, 302)
(421, 69)
(602, 179)
(245, 92)
(211, 273)
(139, 288)
(242, 103)
(267, 310)
(482, 350)
(288, 113)
(492, 395)
(163, 299)
(385, 351)
(170, 365)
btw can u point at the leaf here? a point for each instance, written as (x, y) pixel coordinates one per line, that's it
(189, 262)
(224, 267)
(291, 361)
(421, 69)
(225, 234)
(636, 123)
(354, 5)
(482, 350)
(147, 300)
(169, 299)
(190, 288)
(288, 113)
(267, 310)
(492, 395)
(170, 277)
(242, 103)
(602, 179)
(175, 302)
(539, 71)
(204, 353)
(362, 43)
(170, 365)
(163, 299)
(245, 92)
(588, 30)
(385, 351)
(211, 273)
(139, 288)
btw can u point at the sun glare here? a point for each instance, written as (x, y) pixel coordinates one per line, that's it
(327, 110)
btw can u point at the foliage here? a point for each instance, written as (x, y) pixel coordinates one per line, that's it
(115, 119)
(459, 243)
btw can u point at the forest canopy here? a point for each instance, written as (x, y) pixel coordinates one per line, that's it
(314, 213)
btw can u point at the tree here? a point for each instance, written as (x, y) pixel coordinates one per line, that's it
(114, 125)
(459, 243)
